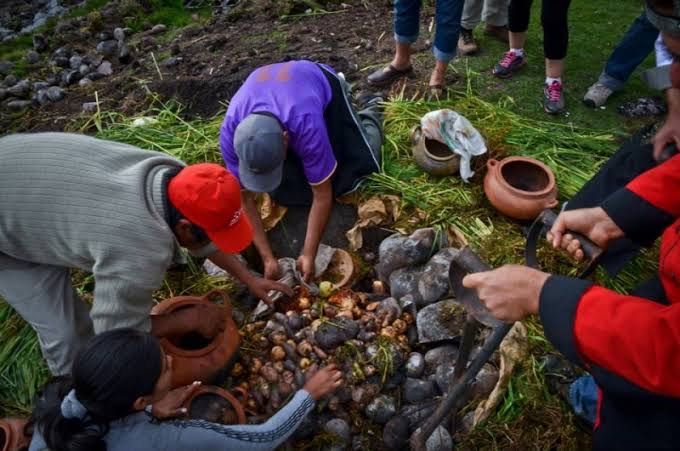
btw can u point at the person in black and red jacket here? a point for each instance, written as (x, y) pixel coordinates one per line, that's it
(629, 343)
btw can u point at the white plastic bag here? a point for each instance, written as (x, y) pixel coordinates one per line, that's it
(454, 130)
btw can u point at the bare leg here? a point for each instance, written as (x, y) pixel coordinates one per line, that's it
(517, 40)
(402, 56)
(438, 74)
(554, 68)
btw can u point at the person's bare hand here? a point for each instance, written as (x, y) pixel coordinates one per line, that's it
(594, 223)
(323, 382)
(271, 268)
(305, 264)
(510, 292)
(260, 288)
(171, 404)
(667, 134)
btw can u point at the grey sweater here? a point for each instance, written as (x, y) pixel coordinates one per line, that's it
(79, 202)
(142, 432)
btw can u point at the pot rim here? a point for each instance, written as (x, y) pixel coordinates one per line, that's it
(219, 391)
(552, 185)
(9, 433)
(418, 139)
(173, 304)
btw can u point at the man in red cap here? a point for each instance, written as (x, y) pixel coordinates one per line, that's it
(122, 213)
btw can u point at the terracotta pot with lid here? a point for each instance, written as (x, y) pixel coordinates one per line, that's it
(196, 358)
(520, 187)
(432, 156)
(12, 435)
(217, 405)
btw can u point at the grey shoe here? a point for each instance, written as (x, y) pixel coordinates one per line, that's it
(597, 95)
(509, 64)
(553, 98)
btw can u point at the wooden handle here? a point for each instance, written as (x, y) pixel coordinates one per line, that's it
(590, 250)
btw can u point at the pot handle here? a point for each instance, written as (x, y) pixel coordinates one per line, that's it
(552, 204)
(226, 302)
(491, 162)
(241, 395)
(416, 134)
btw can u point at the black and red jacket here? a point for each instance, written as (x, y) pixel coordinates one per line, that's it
(631, 345)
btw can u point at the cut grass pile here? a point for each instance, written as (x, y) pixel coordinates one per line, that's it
(529, 415)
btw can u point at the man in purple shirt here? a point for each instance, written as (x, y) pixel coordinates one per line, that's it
(291, 131)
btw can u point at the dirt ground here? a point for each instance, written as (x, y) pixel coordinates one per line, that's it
(354, 38)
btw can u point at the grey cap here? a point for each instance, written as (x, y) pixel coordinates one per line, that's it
(258, 141)
(664, 15)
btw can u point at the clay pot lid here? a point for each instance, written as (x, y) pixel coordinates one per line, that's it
(195, 347)
(532, 167)
(340, 268)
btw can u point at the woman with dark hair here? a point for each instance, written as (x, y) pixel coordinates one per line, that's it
(119, 389)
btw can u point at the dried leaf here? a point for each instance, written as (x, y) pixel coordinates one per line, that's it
(376, 211)
(270, 212)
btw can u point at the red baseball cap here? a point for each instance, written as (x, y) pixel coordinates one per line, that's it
(210, 197)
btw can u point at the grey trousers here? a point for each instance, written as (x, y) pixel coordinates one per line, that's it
(495, 13)
(44, 297)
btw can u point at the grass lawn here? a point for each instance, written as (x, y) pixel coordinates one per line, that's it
(509, 114)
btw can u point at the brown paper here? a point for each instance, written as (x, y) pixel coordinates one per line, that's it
(376, 211)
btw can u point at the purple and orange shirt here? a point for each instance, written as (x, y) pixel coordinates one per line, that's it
(296, 93)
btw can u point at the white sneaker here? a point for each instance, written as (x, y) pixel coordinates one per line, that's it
(597, 95)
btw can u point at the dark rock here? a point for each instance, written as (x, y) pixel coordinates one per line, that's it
(107, 48)
(308, 427)
(434, 280)
(70, 77)
(381, 409)
(443, 376)
(94, 76)
(60, 61)
(6, 67)
(75, 61)
(171, 62)
(119, 34)
(148, 41)
(192, 30)
(440, 440)
(19, 105)
(175, 49)
(3, 93)
(84, 69)
(484, 382)
(64, 51)
(38, 85)
(363, 394)
(105, 36)
(332, 334)
(124, 54)
(11, 80)
(417, 390)
(398, 251)
(20, 89)
(404, 282)
(467, 423)
(388, 310)
(91, 107)
(396, 434)
(32, 57)
(84, 82)
(397, 379)
(157, 29)
(440, 321)
(443, 355)
(417, 413)
(55, 93)
(39, 43)
(104, 69)
(340, 429)
(415, 365)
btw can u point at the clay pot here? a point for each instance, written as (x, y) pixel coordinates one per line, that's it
(217, 405)
(520, 187)
(432, 156)
(340, 269)
(194, 357)
(12, 436)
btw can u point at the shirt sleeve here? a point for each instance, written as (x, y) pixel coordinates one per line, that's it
(228, 151)
(632, 337)
(120, 303)
(663, 56)
(205, 436)
(314, 148)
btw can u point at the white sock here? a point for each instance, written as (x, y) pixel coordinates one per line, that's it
(518, 52)
(549, 80)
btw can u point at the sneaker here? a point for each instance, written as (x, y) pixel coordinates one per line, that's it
(553, 98)
(597, 95)
(466, 43)
(509, 64)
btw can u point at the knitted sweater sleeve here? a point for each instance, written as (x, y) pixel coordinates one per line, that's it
(120, 303)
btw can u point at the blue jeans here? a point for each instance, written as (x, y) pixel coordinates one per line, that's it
(636, 44)
(583, 398)
(447, 19)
